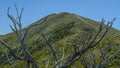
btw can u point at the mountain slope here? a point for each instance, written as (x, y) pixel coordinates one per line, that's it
(63, 27)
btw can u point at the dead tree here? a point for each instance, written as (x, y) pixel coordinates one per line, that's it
(81, 47)
(21, 35)
(90, 42)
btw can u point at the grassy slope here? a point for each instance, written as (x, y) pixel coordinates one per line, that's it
(65, 26)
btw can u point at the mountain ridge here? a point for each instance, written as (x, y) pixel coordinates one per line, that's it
(60, 14)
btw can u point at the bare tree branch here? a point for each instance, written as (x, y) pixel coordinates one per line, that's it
(21, 37)
(51, 45)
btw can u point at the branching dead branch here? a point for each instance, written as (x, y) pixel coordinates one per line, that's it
(17, 28)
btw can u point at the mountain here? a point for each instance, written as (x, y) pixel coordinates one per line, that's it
(63, 27)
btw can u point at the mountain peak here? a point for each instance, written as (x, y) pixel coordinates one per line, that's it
(63, 28)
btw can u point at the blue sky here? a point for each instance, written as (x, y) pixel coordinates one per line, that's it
(37, 9)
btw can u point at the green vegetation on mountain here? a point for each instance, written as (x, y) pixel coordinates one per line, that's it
(65, 29)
